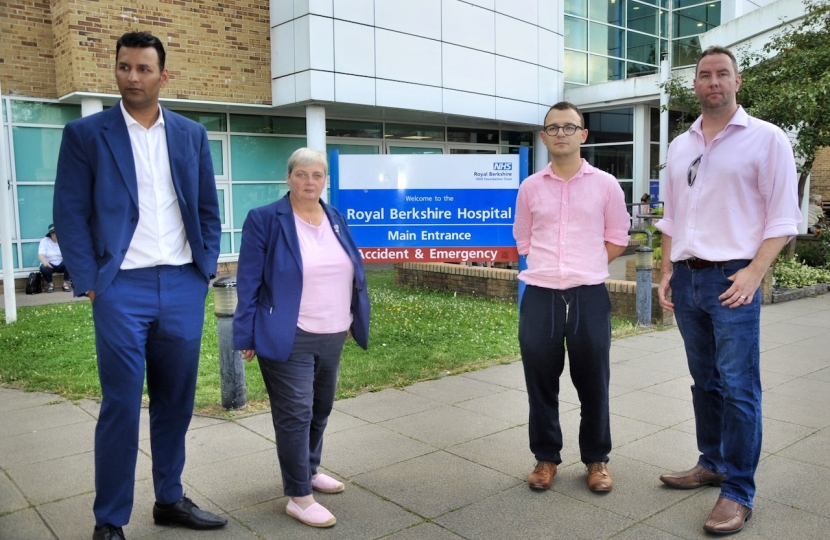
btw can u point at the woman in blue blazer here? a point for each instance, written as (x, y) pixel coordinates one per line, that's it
(302, 293)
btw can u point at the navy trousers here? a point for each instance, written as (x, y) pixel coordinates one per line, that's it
(548, 319)
(149, 317)
(301, 391)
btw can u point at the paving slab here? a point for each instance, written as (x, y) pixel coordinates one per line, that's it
(24, 525)
(510, 405)
(445, 426)
(367, 448)
(453, 390)
(385, 405)
(511, 375)
(61, 413)
(11, 498)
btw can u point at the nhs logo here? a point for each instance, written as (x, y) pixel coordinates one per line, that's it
(502, 166)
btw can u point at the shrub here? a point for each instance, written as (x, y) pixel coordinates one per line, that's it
(794, 274)
(815, 254)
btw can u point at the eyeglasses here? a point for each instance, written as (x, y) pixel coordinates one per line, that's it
(691, 174)
(567, 129)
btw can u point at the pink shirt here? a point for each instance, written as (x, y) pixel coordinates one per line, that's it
(562, 226)
(746, 191)
(328, 275)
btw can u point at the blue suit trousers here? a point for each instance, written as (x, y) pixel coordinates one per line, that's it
(153, 318)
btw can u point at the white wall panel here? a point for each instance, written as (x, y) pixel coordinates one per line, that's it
(354, 48)
(517, 111)
(316, 7)
(359, 11)
(421, 17)
(408, 96)
(281, 11)
(467, 104)
(282, 49)
(352, 89)
(321, 43)
(302, 44)
(468, 25)
(550, 15)
(401, 57)
(314, 85)
(488, 4)
(550, 49)
(549, 85)
(469, 70)
(282, 90)
(526, 10)
(516, 80)
(516, 39)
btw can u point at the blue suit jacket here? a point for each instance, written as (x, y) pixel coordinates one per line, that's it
(95, 208)
(270, 281)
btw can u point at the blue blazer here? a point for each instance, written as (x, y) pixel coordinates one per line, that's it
(95, 208)
(269, 280)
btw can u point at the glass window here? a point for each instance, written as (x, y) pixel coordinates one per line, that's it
(576, 67)
(696, 20)
(654, 162)
(607, 11)
(277, 125)
(414, 132)
(616, 159)
(354, 148)
(606, 40)
(352, 128)
(514, 150)
(674, 121)
(643, 17)
(686, 3)
(248, 196)
(576, 7)
(576, 33)
(472, 135)
(685, 51)
(211, 121)
(518, 138)
(601, 69)
(217, 156)
(414, 150)
(225, 243)
(643, 48)
(628, 191)
(220, 195)
(38, 112)
(36, 153)
(237, 240)
(261, 158)
(14, 256)
(29, 252)
(638, 70)
(615, 125)
(35, 204)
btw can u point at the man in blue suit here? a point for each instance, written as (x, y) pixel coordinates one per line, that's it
(135, 201)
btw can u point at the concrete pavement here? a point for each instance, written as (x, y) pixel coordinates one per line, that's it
(447, 459)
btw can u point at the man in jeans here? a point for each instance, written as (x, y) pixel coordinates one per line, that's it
(571, 221)
(731, 204)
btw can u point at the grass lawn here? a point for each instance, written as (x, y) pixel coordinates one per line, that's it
(415, 335)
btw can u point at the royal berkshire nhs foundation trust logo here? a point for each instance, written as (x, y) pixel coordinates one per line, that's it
(502, 170)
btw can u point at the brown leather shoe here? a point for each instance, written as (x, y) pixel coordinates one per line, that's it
(727, 517)
(599, 478)
(542, 475)
(695, 477)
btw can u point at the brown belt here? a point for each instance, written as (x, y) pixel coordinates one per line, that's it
(699, 264)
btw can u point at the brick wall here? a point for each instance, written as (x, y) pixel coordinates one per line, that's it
(27, 60)
(820, 176)
(216, 51)
(504, 285)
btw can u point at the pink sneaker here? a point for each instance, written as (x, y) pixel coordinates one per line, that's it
(315, 515)
(326, 484)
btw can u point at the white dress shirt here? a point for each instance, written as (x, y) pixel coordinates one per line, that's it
(159, 237)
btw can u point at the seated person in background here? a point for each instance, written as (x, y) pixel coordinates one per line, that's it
(51, 260)
(815, 214)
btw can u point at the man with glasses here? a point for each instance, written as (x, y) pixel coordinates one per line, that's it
(571, 221)
(731, 204)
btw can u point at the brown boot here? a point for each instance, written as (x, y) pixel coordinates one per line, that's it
(695, 477)
(542, 475)
(599, 478)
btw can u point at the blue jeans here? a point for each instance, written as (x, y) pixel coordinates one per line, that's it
(722, 349)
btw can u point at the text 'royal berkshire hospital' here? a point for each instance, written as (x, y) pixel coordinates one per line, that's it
(362, 77)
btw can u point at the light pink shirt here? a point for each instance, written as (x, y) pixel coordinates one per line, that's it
(562, 226)
(746, 191)
(159, 236)
(328, 275)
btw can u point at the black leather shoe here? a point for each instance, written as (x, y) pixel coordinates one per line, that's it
(108, 532)
(187, 514)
